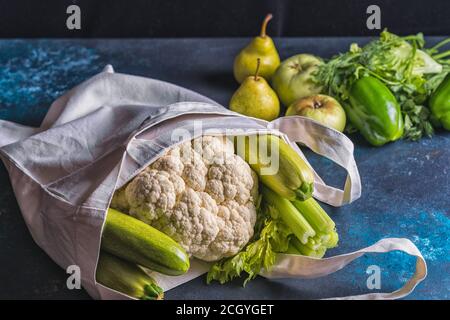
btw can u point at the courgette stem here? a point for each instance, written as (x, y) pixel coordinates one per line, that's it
(152, 292)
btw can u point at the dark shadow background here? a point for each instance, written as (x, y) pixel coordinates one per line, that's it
(219, 18)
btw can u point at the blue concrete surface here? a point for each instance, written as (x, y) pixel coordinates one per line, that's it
(406, 185)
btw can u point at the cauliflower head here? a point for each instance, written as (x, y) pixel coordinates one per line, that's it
(199, 193)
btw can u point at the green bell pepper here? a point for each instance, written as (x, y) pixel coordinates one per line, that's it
(440, 103)
(374, 111)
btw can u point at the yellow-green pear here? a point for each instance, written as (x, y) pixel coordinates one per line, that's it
(261, 47)
(255, 98)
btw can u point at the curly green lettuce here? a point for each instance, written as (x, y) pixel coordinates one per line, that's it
(410, 71)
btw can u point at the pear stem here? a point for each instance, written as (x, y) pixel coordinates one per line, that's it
(316, 104)
(258, 63)
(264, 25)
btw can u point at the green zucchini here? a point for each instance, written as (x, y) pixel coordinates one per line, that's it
(137, 242)
(127, 278)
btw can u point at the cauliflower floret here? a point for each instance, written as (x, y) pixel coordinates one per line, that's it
(171, 162)
(214, 150)
(199, 193)
(194, 172)
(150, 192)
(231, 181)
(234, 231)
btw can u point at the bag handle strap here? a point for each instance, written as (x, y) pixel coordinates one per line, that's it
(297, 266)
(329, 143)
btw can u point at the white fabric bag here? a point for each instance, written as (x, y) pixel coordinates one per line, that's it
(100, 134)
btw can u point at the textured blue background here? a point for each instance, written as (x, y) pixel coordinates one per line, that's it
(406, 185)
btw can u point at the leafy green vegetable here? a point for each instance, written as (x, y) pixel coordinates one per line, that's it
(410, 71)
(271, 236)
(314, 233)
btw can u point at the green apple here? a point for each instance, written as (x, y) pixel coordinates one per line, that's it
(321, 108)
(293, 78)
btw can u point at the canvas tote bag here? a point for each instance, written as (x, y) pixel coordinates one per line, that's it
(99, 135)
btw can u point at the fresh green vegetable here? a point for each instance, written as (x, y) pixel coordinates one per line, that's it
(332, 241)
(315, 215)
(325, 236)
(280, 228)
(409, 70)
(310, 224)
(289, 214)
(292, 249)
(271, 236)
(127, 278)
(279, 167)
(305, 250)
(137, 242)
(374, 111)
(440, 103)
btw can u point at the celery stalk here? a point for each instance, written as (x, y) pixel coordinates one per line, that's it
(307, 251)
(315, 215)
(289, 214)
(292, 249)
(313, 244)
(333, 241)
(322, 238)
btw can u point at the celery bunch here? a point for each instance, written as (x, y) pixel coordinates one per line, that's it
(297, 227)
(314, 231)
